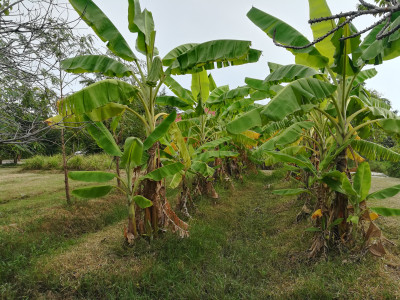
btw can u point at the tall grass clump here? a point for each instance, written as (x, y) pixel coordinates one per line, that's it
(77, 162)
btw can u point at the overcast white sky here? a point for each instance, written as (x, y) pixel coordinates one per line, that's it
(182, 21)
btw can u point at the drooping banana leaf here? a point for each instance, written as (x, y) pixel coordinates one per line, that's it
(238, 93)
(291, 98)
(155, 73)
(286, 137)
(142, 202)
(91, 176)
(386, 212)
(182, 93)
(299, 160)
(93, 192)
(97, 95)
(202, 168)
(174, 53)
(103, 27)
(177, 137)
(214, 143)
(223, 53)
(215, 154)
(364, 75)
(289, 73)
(216, 93)
(362, 180)
(374, 151)
(106, 112)
(240, 105)
(244, 122)
(133, 152)
(173, 101)
(287, 35)
(102, 136)
(165, 171)
(96, 64)
(390, 125)
(159, 131)
(385, 193)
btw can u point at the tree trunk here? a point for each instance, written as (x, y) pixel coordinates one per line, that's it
(117, 158)
(159, 215)
(339, 204)
(64, 157)
(185, 199)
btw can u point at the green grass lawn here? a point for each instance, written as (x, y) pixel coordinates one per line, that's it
(246, 245)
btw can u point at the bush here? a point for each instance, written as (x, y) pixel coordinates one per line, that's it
(77, 162)
(394, 170)
(380, 166)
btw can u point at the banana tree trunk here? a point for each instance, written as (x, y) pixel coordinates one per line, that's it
(185, 199)
(160, 215)
(339, 204)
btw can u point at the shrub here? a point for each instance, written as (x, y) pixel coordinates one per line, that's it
(77, 162)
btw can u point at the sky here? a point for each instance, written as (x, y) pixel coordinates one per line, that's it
(193, 21)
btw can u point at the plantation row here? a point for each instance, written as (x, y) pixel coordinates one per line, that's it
(319, 117)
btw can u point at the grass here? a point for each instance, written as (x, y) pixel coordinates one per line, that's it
(244, 245)
(77, 162)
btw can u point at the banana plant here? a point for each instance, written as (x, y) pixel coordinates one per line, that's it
(131, 160)
(111, 97)
(326, 81)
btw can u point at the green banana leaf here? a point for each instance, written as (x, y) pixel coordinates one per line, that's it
(92, 192)
(291, 98)
(97, 95)
(385, 193)
(216, 93)
(374, 151)
(245, 122)
(362, 180)
(200, 85)
(386, 212)
(206, 156)
(155, 73)
(91, 176)
(364, 75)
(213, 144)
(182, 93)
(299, 160)
(238, 106)
(287, 35)
(103, 27)
(289, 73)
(102, 136)
(390, 125)
(235, 94)
(96, 64)
(142, 202)
(173, 101)
(106, 112)
(165, 171)
(133, 152)
(174, 53)
(141, 22)
(177, 136)
(202, 168)
(319, 9)
(159, 131)
(223, 53)
(176, 180)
